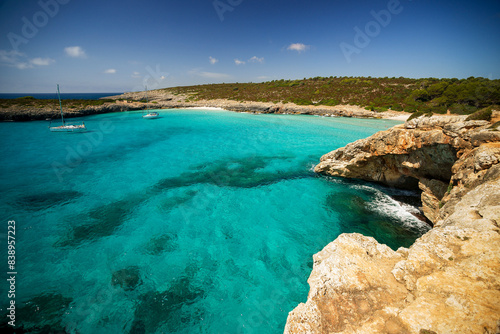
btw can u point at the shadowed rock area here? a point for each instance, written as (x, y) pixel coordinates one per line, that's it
(357, 216)
(448, 281)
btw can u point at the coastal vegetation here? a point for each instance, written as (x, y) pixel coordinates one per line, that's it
(30, 101)
(427, 95)
(481, 115)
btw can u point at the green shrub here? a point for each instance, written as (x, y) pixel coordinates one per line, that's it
(299, 101)
(420, 95)
(418, 114)
(411, 108)
(397, 107)
(483, 114)
(495, 126)
(329, 102)
(462, 109)
(438, 109)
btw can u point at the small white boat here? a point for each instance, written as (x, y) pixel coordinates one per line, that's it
(69, 128)
(152, 114)
(65, 127)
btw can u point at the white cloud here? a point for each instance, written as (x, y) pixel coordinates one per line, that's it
(209, 75)
(75, 52)
(23, 66)
(239, 62)
(110, 71)
(212, 75)
(256, 59)
(299, 47)
(42, 61)
(136, 74)
(12, 58)
(213, 60)
(20, 61)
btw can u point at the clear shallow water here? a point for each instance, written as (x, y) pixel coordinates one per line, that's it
(197, 222)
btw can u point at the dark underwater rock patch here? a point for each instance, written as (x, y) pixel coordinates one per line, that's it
(98, 223)
(167, 308)
(160, 244)
(174, 201)
(40, 314)
(42, 201)
(240, 173)
(127, 278)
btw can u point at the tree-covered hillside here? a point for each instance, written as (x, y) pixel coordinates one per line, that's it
(460, 96)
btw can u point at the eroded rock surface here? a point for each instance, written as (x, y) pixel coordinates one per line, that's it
(448, 281)
(433, 154)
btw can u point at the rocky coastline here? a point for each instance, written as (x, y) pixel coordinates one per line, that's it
(166, 100)
(26, 113)
(448, 281)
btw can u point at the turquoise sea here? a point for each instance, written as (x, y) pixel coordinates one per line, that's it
(201, 221)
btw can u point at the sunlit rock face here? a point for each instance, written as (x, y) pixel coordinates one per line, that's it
(448, 281)
(432, 154)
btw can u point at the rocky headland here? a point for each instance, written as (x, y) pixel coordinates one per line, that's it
(19, 113)
(448, 281)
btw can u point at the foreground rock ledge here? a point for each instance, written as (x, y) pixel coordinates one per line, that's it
(448, 281)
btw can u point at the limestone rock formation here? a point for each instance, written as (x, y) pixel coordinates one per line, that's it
(448, 281)
(424, 154)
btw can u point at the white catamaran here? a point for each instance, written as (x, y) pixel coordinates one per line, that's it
(65, 127)
(149, 115)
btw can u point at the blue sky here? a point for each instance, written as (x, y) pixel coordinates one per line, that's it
(118, 46)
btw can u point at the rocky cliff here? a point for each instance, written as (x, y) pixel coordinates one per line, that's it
(448, 281)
